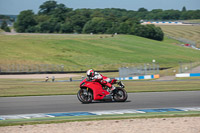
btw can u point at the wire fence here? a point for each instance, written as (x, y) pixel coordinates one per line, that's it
(187, 67)
(146, 69)
(181, 67)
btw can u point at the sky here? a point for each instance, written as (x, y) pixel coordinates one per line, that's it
(14, 7)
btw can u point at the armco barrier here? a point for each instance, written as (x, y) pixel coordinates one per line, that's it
(139, 77)
(161, 22)
(188, 75)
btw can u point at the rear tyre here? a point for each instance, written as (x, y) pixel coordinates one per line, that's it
(85, 96)
(120, 95)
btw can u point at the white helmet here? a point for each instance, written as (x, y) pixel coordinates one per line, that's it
(90, 73)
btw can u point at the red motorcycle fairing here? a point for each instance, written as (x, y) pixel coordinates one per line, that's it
(98, 92)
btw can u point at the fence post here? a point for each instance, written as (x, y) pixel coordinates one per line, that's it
(180, 67)
(154, 68)
(150, 70)
(62, 68)
(158, 68)
(145, 69)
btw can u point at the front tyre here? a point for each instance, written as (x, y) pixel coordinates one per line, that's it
(84, 96)
(120, 95)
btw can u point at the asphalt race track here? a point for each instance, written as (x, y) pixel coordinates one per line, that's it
(70, 103)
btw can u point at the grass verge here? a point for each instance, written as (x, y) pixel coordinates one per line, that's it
(21, 87)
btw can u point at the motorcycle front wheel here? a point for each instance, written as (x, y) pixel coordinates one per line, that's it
(120, 95)
(84, 96)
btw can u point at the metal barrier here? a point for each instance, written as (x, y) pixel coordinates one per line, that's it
(187, 67)
(146, 69)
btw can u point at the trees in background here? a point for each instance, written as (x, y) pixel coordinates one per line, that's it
(25, 22)
(4, 26)
(57, 18)
(4, 21)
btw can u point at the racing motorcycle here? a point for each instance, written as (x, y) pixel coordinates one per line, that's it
(94, 91)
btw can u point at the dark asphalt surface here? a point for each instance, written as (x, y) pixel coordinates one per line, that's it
(70, 103)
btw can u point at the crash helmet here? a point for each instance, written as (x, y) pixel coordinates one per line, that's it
(90, 73)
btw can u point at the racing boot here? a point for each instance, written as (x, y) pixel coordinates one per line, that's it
(112, 89)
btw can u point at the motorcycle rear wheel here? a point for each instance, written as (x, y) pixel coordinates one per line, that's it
(120, 95)
(85, 97)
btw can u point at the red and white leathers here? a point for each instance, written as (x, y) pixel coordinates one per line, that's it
(97, 77)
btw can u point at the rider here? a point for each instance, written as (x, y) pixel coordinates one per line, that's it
(97, 77)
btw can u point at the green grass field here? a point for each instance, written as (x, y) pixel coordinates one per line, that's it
(96, 51)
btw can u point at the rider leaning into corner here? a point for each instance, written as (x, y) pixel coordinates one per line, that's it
(97, 77)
